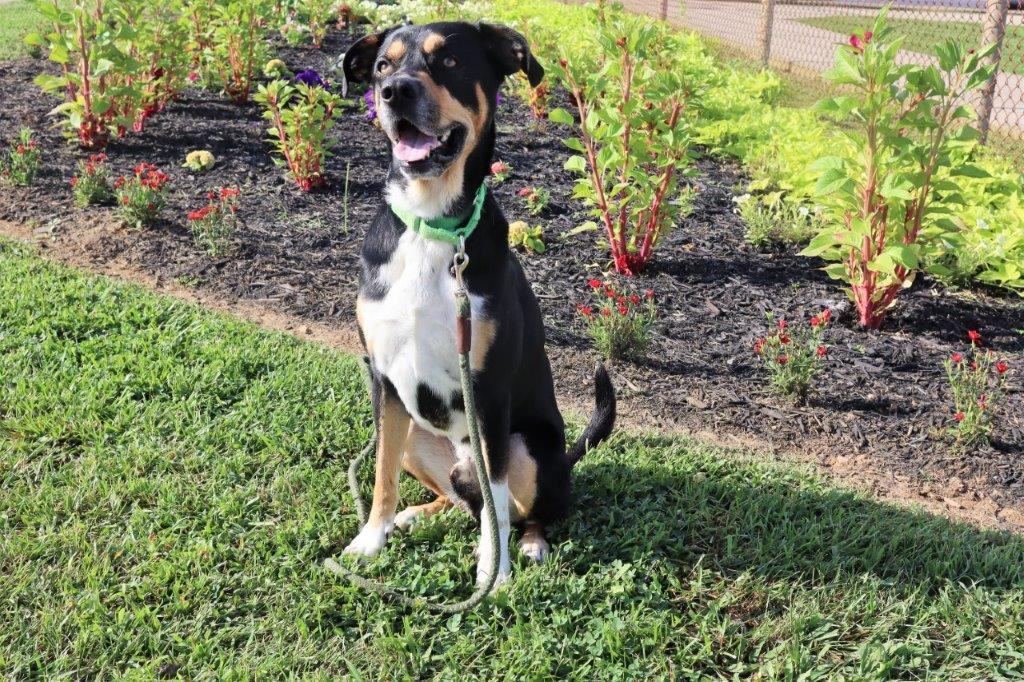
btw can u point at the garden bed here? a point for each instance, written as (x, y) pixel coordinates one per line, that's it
(878, 414)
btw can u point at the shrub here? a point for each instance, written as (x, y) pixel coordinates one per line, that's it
(522, 236)
(618, 320)
(978, 384)
(889, 210)
(794, 356)
(318, 14)
(301, 116)
(140, 196)
(22, 160)
(537, 199)
(634, 136)
(771, 219)
(237, 47)
(86, 43)
(213, 224)
(200, 160)
(91, 185)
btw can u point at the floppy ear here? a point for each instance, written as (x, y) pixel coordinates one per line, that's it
(510, 53)
(358, 61)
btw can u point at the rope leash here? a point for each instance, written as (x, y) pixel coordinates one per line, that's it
(463, 342)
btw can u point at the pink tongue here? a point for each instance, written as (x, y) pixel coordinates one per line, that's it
(415, 146)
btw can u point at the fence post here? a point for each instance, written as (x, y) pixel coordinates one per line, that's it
(664, 10)
(767, 17)
(994, 30)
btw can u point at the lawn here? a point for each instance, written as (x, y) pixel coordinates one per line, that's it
(17, 17)
(173, 478)
(922, 35)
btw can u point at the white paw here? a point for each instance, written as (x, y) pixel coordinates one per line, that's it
(407, 518)
(370, 540)
(536, 548)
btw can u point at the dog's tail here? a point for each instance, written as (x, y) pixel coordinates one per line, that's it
(601, 421)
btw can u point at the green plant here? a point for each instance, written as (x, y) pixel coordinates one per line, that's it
(318, 15)
(21, 162)
(140, 196)
(91, 184)
(889, 211)
(85, 42)
(536, 198)
(634, 136)
(522, 236)
(213, 224)
(301, 116)
(978, 384)
(618, 320)
(200, 160)
(771, 219)
(794, 356)
(237, 47)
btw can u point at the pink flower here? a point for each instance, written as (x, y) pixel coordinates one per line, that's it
(959, 416)
(783, 324)
(499, 167)
(525, 192)
(957, 358)
(821, 351)
(826, 316)
(193, 76)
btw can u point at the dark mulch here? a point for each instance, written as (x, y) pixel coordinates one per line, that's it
(885, 394)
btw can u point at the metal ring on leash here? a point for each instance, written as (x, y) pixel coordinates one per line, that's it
(463, 330)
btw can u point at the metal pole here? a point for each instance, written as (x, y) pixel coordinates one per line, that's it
(767, 18)
(664, 10)
(994, 30)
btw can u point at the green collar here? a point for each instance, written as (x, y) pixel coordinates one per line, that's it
(449, 230)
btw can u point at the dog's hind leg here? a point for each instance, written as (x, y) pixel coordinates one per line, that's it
(429, 458)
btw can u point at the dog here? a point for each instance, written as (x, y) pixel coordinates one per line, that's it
(435, 88)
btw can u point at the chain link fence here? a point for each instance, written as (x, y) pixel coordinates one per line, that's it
(799, 37)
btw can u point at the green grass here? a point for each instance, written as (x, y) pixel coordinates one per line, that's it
(922, 35)
(17, 18)
(171, 479)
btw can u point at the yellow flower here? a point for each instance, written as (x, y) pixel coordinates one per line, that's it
(199, 160)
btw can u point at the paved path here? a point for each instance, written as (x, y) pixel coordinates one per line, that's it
(807, 48)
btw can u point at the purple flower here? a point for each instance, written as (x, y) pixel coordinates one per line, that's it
(371, 105)
(498, 100)
(311, 78)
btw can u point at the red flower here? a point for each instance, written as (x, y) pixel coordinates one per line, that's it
(974, 365)
(826, 315)
(974, 336)
(815, 321)
(759, 346)
(594, 283)
(782, 359)
(623, 310)
(606, 311)
(228, 193)
(193, 76)
(856, 43)
(74, 182)
(1001, 367)
(201, 213)
(784, 339)
(634, 299)
(525, 192)
(957, 358)
(609, 292)
(585, 310)
(649, 294)
(499, 167)
(959, 416)
(867, 37)
(783, 324)
(821, 351)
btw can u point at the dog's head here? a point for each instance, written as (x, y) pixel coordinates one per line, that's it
(435, 88)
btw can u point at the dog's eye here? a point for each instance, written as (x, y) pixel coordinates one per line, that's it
(450, 61)
(383, 66)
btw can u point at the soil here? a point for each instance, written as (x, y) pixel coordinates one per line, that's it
(878, 418)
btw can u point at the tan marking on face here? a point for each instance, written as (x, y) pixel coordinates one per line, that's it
(522, 479)
(432, 42)
(484, 331)
(392, 430)
(396, 50)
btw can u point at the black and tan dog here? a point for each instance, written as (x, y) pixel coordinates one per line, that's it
(435, 89)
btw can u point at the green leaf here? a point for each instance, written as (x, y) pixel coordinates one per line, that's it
(970, 171)
(560, 115)
(576, 163)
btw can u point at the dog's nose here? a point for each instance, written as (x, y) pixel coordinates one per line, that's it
(400, 90)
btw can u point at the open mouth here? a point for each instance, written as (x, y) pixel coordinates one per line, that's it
(416, 147)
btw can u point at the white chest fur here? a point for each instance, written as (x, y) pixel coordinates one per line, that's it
(410, 333)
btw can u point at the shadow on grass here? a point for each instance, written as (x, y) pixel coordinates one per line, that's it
(744, 516)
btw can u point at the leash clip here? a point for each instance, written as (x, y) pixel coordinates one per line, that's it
(460, 262)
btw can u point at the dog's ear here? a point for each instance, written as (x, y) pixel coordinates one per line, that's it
(359, 60)
(510, 53)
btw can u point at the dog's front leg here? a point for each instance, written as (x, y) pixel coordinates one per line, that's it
(494, 437)
(392, 424)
